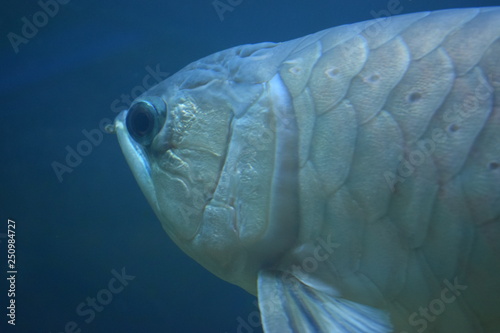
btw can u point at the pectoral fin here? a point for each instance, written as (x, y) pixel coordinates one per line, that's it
(289, 305)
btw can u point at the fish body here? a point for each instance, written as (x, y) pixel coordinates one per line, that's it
(349, 178)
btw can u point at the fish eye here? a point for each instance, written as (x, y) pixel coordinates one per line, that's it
(143, 122)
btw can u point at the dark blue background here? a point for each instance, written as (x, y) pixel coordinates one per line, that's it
(71, 234)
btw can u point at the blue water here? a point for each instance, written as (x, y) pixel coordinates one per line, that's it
(75, 230)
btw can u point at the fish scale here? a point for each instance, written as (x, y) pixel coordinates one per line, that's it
(433, 214)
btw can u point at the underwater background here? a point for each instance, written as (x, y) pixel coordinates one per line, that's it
(90, 254)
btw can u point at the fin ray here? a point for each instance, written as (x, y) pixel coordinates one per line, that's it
(289, 305)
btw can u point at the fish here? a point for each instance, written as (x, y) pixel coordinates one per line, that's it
(350, 179)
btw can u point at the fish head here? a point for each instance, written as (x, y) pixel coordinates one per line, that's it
(203, 151)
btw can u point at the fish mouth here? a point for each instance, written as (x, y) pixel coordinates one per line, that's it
(136, 159)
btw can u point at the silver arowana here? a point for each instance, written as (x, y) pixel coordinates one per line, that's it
(350, 178)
